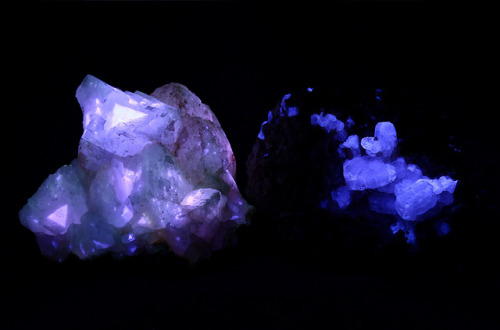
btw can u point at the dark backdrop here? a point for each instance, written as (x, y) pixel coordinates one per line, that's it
(240, 58)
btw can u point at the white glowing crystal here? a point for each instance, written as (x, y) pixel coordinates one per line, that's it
(417, 197)
(149, 169)
(365, 172)
(413, 199)
(384, 142)
(352, 143)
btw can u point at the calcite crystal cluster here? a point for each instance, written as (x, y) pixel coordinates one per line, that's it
(150, 169)
(313, 153)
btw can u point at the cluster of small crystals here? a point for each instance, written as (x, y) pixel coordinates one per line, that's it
(394, 187)
(398, 188)
(150, 169)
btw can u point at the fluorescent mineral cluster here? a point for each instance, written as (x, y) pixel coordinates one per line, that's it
(150, 169)
(335, 162)
(404, 190)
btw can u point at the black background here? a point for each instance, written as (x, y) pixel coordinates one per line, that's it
(240, 58)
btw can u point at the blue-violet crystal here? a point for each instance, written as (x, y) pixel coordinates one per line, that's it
(150, 169)
(311, 153)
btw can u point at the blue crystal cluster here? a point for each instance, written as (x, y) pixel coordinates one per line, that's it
(322, 142)
(397, 188)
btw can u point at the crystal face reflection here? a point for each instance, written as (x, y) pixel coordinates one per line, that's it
(121, 114)
(59, 216)
(143, 176)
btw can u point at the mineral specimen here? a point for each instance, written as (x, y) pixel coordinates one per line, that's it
(150, 169)
(415, 194)
(315, 159)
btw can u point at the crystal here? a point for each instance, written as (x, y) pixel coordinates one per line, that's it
(150, 169)
(321, 158)
(362, 173)
(415, 194)
(385, 140)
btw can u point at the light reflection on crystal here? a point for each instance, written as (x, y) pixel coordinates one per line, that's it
(123, 114)
(59, 216)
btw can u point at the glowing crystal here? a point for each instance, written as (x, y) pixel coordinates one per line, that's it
(59, 216)
(362, 173)
(414, 193)
(384, 142)
(150, 169)
(320, 157)
(123, 114)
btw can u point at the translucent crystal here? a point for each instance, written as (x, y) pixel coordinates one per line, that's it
(384, 142)
(59, 202)
(365, 172)
(150, 169)
(329, 123)
(352, 143)
(417, 197)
